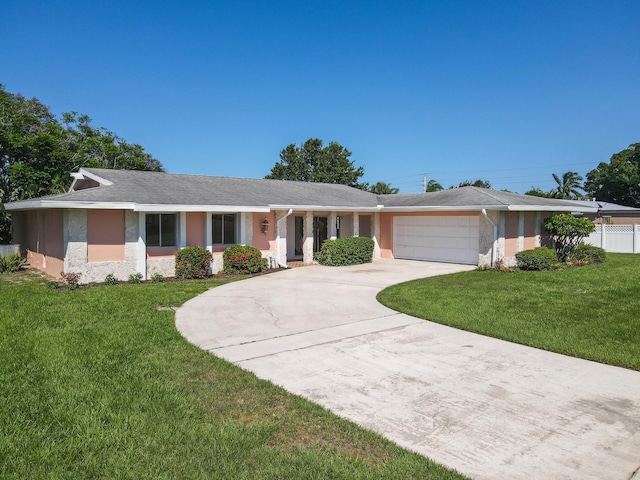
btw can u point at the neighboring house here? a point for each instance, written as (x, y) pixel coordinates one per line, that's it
(611, 213)
(126, 222)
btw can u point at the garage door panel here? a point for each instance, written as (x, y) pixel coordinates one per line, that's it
(441, 238)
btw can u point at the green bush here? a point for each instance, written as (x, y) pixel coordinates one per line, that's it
(243, 259)
(586, 254)
(193, 262)
(135, 278)
(110, 279)
(157, 278)
(540, 258)
(11, 263)
(346, 251)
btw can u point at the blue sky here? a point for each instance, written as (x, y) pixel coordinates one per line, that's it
(507, 91)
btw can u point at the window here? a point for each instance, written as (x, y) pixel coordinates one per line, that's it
(223, 229)
(162, 229)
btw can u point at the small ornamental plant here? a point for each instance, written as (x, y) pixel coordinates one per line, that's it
(243, 259)
(70, 280)
(135, 278)
(110, 279)
(193, 262)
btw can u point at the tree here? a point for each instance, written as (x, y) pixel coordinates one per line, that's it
(312, 162)
(433, 186)
(38, 153)
(568, 186)
(619, 180)
(382, 188)
(477, 183)
(567, 232)
(537, 192)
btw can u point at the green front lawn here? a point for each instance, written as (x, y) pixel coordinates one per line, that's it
(589, 312)
(97, 383)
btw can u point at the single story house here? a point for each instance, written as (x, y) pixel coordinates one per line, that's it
(125, 222)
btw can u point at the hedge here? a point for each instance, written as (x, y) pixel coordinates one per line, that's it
(346, 251)
(540, 258)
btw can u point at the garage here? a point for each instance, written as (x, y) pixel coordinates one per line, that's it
(436, 238)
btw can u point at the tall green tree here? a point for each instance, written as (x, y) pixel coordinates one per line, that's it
(313, 162)
(538, 192)
(382, 188)
(38, 152)
(619, 180)
(569, 186)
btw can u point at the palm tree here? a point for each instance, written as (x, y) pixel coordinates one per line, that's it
(568, 186)
(382, 188)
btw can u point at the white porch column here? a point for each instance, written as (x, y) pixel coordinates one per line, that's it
(281, 237)
(248, 228)
(307, 245)
(142, 245)
(356, 224)
(376, 234)
(182, 238)
(520, 231)
(242, 237)
(333, 227)
(208, 234)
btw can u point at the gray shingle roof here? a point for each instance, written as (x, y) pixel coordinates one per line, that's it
(159, 188)
(469, 197)
(164, 189)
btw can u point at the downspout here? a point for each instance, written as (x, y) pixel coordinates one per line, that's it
(495, 236)
(278, 239)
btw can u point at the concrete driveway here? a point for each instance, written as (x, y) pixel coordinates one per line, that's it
(487, 408)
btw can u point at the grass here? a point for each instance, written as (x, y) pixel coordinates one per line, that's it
(590, 312)
(97, 383)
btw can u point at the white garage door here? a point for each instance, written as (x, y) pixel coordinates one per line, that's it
(440, 239)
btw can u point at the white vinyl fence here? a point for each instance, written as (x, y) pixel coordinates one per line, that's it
(616, 238)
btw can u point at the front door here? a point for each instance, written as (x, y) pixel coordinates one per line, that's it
(320, 225)
(299, 236)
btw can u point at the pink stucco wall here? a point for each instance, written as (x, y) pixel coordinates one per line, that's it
(260, 240)
(511, 233)
(44, 241)
(105, 235)
(159, 252)
(530, 230)
(196, 222)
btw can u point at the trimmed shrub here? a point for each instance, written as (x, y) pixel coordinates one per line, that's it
(135, 278)
(11, 263)
(193, 262)
(243, 259)
(157, 278)
(110, 279)
(346, 251)
(586, 254)
(540, 258)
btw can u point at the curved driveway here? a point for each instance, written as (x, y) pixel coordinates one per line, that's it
(488, 408)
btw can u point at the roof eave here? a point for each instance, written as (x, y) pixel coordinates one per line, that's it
(323, 208)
